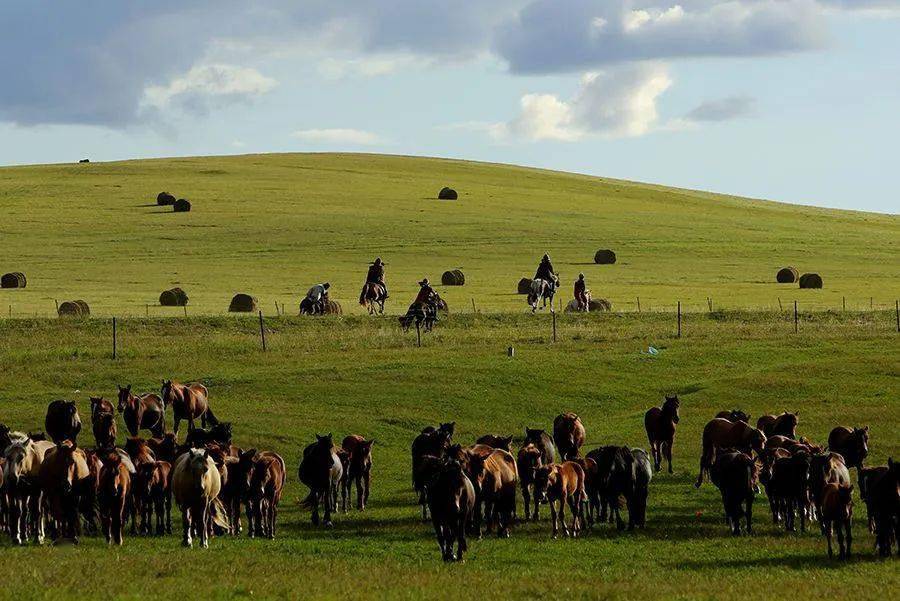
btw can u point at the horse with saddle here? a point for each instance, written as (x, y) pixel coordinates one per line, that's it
(424, 310)
(544, 285)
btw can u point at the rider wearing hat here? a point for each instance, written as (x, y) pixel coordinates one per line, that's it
(376, 275)
(545, 271)
(581, 293)
(426, 292)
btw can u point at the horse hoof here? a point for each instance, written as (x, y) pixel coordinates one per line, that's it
(328, 524)
(187, 544)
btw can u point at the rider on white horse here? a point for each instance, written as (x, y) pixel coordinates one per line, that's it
(582, 294)
(318, 295)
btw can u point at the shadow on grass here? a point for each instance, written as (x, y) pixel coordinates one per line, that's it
(794, 562)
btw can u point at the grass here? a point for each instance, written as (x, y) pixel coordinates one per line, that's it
(272, 225)
(362, 375)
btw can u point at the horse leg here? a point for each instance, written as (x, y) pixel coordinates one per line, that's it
(461, 537)
(37, 515)
(176, 423)
(360, 491)
(703, 464)
(553, 519)
(526, 500)
(367, 483)
(667, 450)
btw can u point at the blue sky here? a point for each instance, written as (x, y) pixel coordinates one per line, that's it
(793, 100)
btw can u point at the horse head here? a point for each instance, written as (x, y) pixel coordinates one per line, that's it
(167, 391)
(124, 397)
(671, 406)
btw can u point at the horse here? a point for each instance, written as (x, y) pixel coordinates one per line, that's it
(24, 495)
(868, 477)
(432, 441)
(188, 401)
(422, 313)
(722, 433)
(543, 291)
(558, 485)
(495, 488)
(265, 488)
(451, 500)
(100, 405)
(372, 298)
(144, 412)
(496, 442)
(426, 469)
(824, 469)
(105, 430)
(852, 444)
(196, 483)
(528, 461)
(883, 495)
(660, 424)
(165, 448)
(735, 474)
(62, 421)
(153, 496)
(643, 473)
(735, 415)
(781, 425)
(837, 510)
(359, 469)
(220, 433)
(320, 470)
(543, 442)
(63, 477)
(568, 434)
(113, 494)
(789, 489)
(766, 471)
(620, 474)
(308, 307)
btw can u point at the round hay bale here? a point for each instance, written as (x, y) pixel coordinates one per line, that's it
(175, 297)
(242, 303)
(333, 308)
(524, 286)
(787, 275)
(165, 199)
(69, 309)
(604, 256)
(810, 280)
(447, 194)
(182, 205)
(596, 305)
(85, 310)
(453, 278)
(16, 279)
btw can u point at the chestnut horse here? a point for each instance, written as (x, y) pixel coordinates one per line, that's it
(359, 469)
(153, 495)
(113, 494)
(265, 489)
(721, 433)
(144, 412)
(372, 298)
(660, 425)
(852, 444)
(558, 485)
(188, 401)
(568, 434)
(63, 476)
(781, 425)
(837, 510)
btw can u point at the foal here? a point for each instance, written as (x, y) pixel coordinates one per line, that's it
(837, 509)
(115, 489)
(660, 425)
(359, 469)
(560, 485)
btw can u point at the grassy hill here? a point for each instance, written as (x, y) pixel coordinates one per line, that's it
(271, 225)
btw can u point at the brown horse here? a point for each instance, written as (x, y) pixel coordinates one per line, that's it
(837, 510)
(165, 448)
(721, 433)
(372, 298)
(63, 476)
(101, 405)
(542, 441)
(780, 425)
(660, 424)
(496, 442)
(113, 495)
(188, 401)
(153, 495)
(451, 499)
(359, 468)
(560, 485)
(735, 415)
(568, 434)
(144, 412)
(736, 474)
(266, 486)
(851, 443)
(105, 430)
(62, 422)
(528, 462)
(497, 478)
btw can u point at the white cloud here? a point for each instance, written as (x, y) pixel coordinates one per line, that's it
(206, 85)
(614, 104)
(354, 137)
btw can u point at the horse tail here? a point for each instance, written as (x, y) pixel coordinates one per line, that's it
(219, 514)
(308, 501)
(362, 295)
(210, 417)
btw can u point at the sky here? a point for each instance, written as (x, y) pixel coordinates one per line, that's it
(791, 100)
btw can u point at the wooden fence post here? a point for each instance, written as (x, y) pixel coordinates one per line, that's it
(262, 331)
(473, 305)
(844, 303)
(679, 319)
(57, 305)
(897, 308)
(114, 338)
(418, 335)
(780, 308)
(554, 325)
(185, 309)
(639, 304)
(796, 321)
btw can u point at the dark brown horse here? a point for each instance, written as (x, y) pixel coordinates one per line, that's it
(113, 495)
(431, 441)
(721, 433)
(62, 421)
(528, 462)
(451, 500)
(265, 489)
(542, 441)
(153, 496)
(372, 298)
(144, 412)
(321, 470)
(100, 405)
(736, 475)
(105, 430)
(851, 443)
(837, 510)
(188, 401)
(779, 425)
(568, 434)
(496, 442)
(359, 468)
(735, 415)
(64, 476)
(660, 425)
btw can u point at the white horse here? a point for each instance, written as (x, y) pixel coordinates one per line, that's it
(542, 290)
(196, 483)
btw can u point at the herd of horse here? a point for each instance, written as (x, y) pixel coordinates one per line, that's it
(48, 481)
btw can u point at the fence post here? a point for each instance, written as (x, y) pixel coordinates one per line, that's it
(639, 304)
(473, 305)
(511, 352)
(277, 312)
(114, 338)
(780, 308)
(57, 305)
(262, 331)
(871, 303)
(418, 335)
(554, 325)
(796, 322)
(185, 309)
(897, 308)
(843, 303)
(679, 319)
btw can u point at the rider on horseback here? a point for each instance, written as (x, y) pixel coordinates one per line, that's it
(376, 275)
(545, 271)
(426, 293)
(317, 296)
(581, 293)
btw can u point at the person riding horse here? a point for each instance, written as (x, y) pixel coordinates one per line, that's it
(376, 275)
(317, 297)
(426, 293)
(581, 294)
(545, 271)
(424, 308)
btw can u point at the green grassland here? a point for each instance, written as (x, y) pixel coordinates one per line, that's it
(362, 375)
(271, 225)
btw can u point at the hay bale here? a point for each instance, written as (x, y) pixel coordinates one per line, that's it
(604, 256)
(242, 303)
(810, 280)
(75, 308)
(16, 279)
(175, 297)
(333, 308)
(596, 305)
(787, 275)
(85, 161)
(165, 199)
(447, 194)
(524, 286)
(453, 278)
(182, 205)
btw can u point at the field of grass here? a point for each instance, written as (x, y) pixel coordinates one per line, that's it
(272, 225)
(362, 375)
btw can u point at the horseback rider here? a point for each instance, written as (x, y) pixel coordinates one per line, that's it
(581, 293)
(545, 271)
(376, 275)
(426, 293)
(318, 296)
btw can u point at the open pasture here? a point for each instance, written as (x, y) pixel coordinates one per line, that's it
(361, 375)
